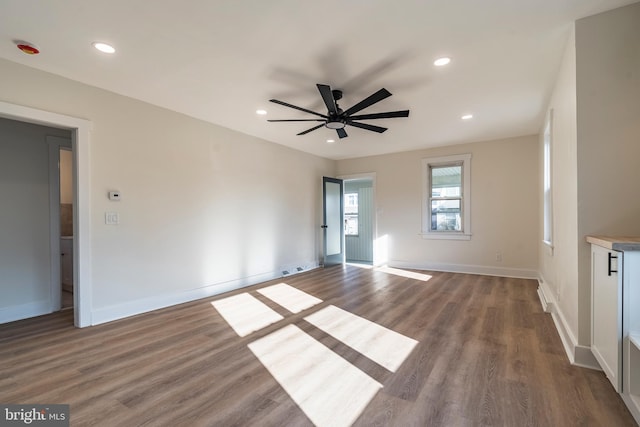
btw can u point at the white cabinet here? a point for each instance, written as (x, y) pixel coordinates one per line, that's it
(615, 315)
(606, 313)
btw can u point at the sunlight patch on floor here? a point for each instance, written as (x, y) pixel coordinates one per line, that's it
(385, 347)
(245, 313)
(328, 389)
(404, 273)
(360, 265)
(289, 297)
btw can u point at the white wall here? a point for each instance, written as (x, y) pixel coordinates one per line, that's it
(24, 218)
(608, 99)
(559, 266)
(204, 209)
(504, 181)
(595, 174)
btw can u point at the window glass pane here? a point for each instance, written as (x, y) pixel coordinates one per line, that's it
(446, 181)
(333, 219)
(351, 224)
(351, 214)
(351, 203)
(445, 215)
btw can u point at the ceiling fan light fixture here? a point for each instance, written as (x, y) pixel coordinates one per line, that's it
(261, 112)
(335, 125)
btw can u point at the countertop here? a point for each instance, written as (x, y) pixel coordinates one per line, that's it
(616, 243)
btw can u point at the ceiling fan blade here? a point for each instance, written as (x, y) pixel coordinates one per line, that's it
(370, 100)
(387, 115)
(309, 130)
(327, 97)
(367, 126)
(342, 133)
(298, 120)
(297, 108)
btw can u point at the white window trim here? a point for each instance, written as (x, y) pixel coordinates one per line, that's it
(427, 233)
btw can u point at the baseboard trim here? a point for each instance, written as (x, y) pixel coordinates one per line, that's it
(547, 306)
(24, 311)
(145, 305)
(520, 273)
(578, 355)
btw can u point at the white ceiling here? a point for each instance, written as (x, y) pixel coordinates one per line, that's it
(222, 60)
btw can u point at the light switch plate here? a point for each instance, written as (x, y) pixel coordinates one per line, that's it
(111, 218)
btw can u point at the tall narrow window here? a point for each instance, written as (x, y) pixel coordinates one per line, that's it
(447, 197)
(546, 182)
(351, 214)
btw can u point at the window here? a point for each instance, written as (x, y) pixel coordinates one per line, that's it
(351, 214)
(447, 197)
(546, 182)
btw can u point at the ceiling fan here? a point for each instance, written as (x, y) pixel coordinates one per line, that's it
(338, 119)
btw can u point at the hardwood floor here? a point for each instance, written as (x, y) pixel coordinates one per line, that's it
(486, 354)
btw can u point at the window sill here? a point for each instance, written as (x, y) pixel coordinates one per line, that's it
(445, 236)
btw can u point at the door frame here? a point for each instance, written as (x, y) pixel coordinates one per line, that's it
(379, 253)
(55, 143)
(80, 130)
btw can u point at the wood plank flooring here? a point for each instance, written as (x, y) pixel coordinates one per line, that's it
(486, 355)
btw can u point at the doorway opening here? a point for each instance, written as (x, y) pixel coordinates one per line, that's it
(82, 291)
(359, 219)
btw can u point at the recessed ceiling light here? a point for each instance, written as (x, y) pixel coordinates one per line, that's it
(103, 47)
(467, 117)
(261, 112)
(441, 61)
(330, 141)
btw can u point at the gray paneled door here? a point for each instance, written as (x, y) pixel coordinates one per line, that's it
(333, 225)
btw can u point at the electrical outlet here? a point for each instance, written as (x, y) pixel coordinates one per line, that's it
(499, 256)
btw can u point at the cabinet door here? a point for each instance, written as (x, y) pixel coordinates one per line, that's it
(606, 313)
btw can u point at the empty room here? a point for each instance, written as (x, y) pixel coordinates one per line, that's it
(281, 213)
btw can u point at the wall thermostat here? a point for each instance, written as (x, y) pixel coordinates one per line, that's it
(114, 195)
